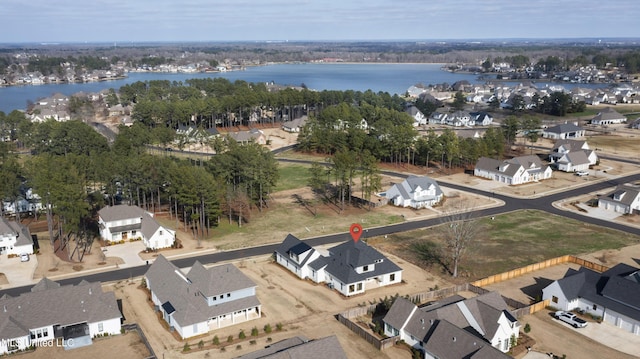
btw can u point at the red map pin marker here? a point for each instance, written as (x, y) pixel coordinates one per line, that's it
(356, 231)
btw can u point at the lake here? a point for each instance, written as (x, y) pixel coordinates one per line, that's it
(392, 78)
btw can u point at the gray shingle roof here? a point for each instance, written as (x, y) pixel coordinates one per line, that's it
(346, 257)
(169, 284)
(48, 304)
(13, 228)
(324, 348)
(120, 212)
(564, 128)
(219, 279)
(447, 341)
(399, 312)
(616, 289)
(630, 194)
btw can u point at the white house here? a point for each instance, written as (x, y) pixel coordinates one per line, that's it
(481, 118)
(518, 170)
(624, 199)
(572, 155)
(438, 118)
(438, 329)
(415, 192)
(15, 238)
(350, 268)
(295, 255)
(202, 299)
(564, 131)
(295, 125)
(608, 116)
(612, 295)
(419, 118)
(124, 222)
(71, 315)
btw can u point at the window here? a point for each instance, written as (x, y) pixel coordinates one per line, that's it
(133, 232)
(365, 268)
(351, 288)
(100, 327)
(195, 328)
(161, 234)
(359, 286)
(595, 307)
(215, 297)
(554, 299)
(392, 277)
(228, 295)
(45, 332)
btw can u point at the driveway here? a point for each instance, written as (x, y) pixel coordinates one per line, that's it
(18, 273)
(129, 252)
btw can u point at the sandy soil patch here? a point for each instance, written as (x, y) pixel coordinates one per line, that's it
(128, 346)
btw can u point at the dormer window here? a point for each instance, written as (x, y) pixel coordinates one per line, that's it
(365, 268)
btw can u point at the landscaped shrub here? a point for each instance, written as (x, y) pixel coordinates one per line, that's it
(238, 347)
(216, 340)
(269, 340)
(252, 342)
(254, 332)
(200, 344)
(527, 328)
(186, 347)
(279, 326)
(223, 349)
(230, 339)
(267, 328)
(242, 335)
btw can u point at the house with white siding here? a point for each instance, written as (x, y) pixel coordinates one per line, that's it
(415, 192)
(350, 268)
(124, 222)
(518, 170)
(202, 299)
(15, 238)
(454, 327)
(608, 116)
(563, 131)
(296, 255)
(625, 199)
(71, 315)
(612, 295)
(572, 155)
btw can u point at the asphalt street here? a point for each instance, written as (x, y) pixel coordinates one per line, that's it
(542, 203)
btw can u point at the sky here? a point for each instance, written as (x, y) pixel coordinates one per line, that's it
(295, 20)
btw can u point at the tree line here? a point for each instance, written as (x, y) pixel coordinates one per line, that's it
(75, 171)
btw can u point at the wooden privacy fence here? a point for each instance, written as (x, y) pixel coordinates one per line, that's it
(538, 266)
(380, 344)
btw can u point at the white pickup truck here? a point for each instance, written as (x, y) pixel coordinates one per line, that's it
(570, 318)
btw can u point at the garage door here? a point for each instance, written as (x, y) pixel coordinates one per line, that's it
(611, 319)
(626, 325)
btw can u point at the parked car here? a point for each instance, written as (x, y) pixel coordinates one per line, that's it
(24, 257)
(582, 173)
(570, 318)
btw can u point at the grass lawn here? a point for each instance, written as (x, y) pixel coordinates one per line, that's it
(515, 240)
(614, 143)
(292, 176)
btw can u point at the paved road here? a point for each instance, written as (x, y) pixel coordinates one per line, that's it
(542, 203)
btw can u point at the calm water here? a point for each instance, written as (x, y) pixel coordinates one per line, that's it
(392, 78)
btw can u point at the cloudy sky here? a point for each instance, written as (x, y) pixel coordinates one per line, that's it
(248, 20)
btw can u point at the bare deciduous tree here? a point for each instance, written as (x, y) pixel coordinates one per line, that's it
(459, 231)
